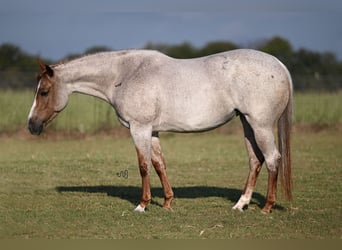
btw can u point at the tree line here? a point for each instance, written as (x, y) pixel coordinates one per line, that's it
(310, 70)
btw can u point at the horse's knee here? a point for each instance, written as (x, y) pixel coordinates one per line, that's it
(144, 166)
(144, 169)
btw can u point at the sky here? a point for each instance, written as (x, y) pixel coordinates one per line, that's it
(54, 29)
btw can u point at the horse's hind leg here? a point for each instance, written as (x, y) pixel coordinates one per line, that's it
(159, 165)
(265, 139)
(256, 160)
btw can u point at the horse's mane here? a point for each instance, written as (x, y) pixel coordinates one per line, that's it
(68, 60)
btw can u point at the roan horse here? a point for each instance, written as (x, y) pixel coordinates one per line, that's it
(152, 93)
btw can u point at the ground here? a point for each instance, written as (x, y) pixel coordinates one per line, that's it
(66, 187)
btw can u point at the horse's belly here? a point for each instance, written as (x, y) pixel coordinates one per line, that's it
(194, 121)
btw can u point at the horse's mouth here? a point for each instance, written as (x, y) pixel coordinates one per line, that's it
(36, 126)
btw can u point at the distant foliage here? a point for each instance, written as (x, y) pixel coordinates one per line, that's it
(310, 70)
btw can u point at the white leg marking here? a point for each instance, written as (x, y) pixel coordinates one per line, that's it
(139, 209)
(243, 201)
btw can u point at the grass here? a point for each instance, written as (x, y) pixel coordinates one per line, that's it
(322, 109)
(69, 188)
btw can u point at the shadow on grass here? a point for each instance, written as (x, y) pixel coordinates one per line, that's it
(132, 194)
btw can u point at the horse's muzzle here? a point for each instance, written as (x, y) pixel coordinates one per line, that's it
(35, 127)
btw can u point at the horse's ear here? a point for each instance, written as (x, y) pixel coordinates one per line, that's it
(41, 64)
(45, 67)
(49, 70)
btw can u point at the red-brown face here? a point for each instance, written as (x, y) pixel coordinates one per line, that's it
(44, 106)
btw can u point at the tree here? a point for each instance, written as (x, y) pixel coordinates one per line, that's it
(16, 67)
(182, 51)
(280, 48)
(216, 47)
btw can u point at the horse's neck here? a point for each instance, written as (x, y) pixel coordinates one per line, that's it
(93, 75)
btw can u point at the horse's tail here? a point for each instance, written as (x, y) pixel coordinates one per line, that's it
(284, 136)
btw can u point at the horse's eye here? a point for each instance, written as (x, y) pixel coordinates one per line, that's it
(44, 93)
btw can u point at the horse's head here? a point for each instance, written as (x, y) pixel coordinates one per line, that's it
(50, 98)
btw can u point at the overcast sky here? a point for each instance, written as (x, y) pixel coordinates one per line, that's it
(53, 29)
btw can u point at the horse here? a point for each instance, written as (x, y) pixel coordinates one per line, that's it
(152, 92)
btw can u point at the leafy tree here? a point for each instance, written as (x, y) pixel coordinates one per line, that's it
(280, 48)
(16, 67)
(216, 47)
(182, 51)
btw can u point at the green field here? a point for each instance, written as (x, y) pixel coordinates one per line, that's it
(69, 187)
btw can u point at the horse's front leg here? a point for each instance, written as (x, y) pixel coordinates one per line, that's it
(159, 165)
(142, 140)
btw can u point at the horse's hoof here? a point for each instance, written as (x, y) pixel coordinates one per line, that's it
(266, 211)
(139, 209)
(238, 208)
(267, 208)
